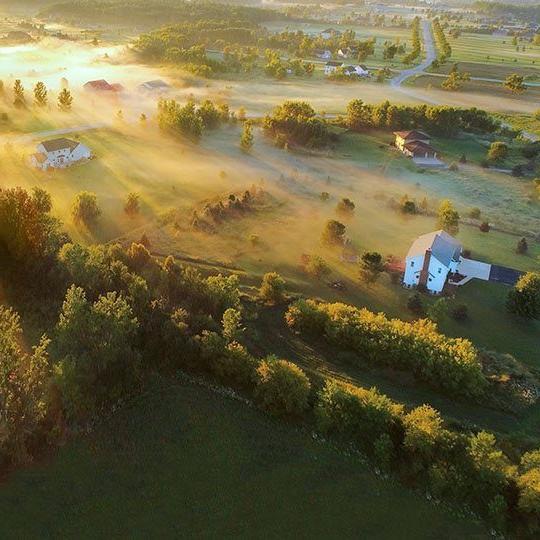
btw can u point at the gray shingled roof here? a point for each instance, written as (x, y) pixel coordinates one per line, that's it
(443, 247)
(59, 144)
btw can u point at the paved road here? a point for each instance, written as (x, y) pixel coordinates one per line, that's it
(431, 54)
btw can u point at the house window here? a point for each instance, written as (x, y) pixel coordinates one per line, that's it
(412, 263)
(440, 270)
(430, 279)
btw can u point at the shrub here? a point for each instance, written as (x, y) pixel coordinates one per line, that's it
(524, 298)
(282, 387)
(356, 414)
(415, 305)
(484, 227)
(272, 288)
(231, 362)
(460, 312)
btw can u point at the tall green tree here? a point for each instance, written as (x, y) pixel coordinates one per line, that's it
(246, 140)
(95, 347)
(85, 209)
(448, 217)
(24, 390)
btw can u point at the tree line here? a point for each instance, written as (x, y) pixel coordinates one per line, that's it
(40, 95)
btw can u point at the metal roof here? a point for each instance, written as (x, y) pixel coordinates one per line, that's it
(443, 247)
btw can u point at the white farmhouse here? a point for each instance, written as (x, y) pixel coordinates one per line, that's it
(59, 153)
(430, 260)
(332, 66)
(359, 70)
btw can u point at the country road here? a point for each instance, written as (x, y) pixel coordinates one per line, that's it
(431, 54)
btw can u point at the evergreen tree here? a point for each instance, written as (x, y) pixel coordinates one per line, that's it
(18, 95)
(65, 100)
(246, 140)
(40, 94)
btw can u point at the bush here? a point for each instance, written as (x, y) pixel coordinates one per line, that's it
(231, 362)
(356, 414)
(460, 312)
(272, 288)
(415, 305)
(282, 387)
(524, 298)
(484, 227)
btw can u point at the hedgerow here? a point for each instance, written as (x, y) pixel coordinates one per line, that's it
(448, 363)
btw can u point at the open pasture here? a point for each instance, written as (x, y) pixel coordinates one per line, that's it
(170, 175)
(493, 51)
(210, 467)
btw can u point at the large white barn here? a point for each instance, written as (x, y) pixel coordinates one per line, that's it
(59, 153)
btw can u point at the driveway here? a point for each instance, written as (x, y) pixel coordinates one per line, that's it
(503, 274)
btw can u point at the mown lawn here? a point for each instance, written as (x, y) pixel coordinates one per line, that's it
(184, 462)
(493, 50)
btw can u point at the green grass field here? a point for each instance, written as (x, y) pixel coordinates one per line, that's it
(183, 461)
(494, 51)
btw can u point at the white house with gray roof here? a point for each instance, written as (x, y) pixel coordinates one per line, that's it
(431, 258)
(59, 154)
(436, 257)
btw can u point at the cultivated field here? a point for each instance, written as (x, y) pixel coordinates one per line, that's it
(494, 53)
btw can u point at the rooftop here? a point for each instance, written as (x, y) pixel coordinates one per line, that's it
(412, 135)
(59, 144)
(444, 247)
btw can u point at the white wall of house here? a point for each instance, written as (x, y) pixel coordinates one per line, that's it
(413, 267)
(438, 273)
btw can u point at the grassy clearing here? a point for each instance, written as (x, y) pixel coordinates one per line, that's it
(185, 461)
(487, 89)
(493, 51)
(526, 122)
